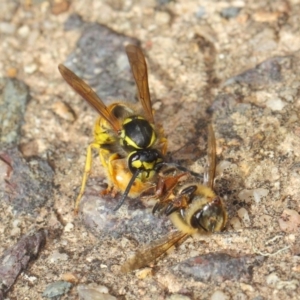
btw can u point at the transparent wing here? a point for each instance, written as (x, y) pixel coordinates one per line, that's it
(86, 92)
(146, 255)
(139, 69)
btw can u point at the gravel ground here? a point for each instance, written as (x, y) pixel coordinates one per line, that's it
(234, 63)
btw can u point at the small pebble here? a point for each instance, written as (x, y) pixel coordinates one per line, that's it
(74, 21)
(200, 12)
(24, 31)
(162, 18)
(246, 287)
(230, 12)
(244, 216)
(57, 289)
(94, 293)
(29, 149)
(15, 232)
(59, 7)
(289, 220)
(264, 16)
(64, 111)
(70, 277)
(219, 295)
(11, 72)
(275, 104)
(69, 227)
(31, 68)
(235, 223)
(56, 256)
(255, 195)
(272, 279)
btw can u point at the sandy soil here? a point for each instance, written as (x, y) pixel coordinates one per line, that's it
(235, 63)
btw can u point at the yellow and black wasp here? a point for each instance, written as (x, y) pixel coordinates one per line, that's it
(131, 146)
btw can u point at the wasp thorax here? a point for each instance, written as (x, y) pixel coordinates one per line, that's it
(137, 133)
(211, 217)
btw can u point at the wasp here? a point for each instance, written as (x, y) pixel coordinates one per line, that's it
(192, 207)
(131, 146)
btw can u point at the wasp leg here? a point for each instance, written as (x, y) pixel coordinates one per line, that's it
(164, 145)
(110, 190)
(176, 204)
(164, 190)
(87, 171)
(108, 162)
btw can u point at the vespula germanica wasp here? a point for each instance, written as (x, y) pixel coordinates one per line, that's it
(191, 206)
(131, 146)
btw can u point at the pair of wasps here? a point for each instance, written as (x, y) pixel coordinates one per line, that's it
(132, 148)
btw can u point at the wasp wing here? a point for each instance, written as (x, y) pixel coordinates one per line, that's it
(154, 250)
(86, 92)
(139, 69)
(211, 158)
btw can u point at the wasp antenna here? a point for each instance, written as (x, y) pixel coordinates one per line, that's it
(134, 176)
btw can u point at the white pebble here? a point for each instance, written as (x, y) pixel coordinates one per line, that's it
(244, 216)
(69, 227)
(23, 31)
(259, 193)
(272, 279)
(94, 292)
(275, 104)
(256, 194)
(235, 223)
(218, 295)
(16, 223)
(55, 256)
(29, 69)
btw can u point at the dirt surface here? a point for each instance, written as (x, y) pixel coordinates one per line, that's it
(235, 63)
